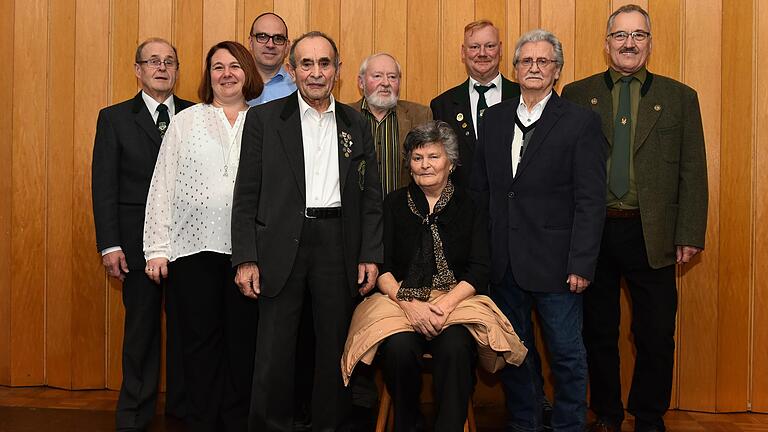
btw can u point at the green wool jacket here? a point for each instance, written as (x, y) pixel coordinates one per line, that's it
(669, 159)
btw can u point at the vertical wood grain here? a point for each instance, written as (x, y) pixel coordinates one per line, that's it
(735, 209)
(589, 41)
(28, 194)
(697, 366)
(325, 16)
(530, 15)
(6, 188)
(155, 18)
(219, 18)
(759, 396)
(559, 17)
(666, 36)
(296, 14)
(252, 9)
(355, 43)
(189, 44)
(390, 35)
(422, 58)
(454, 15)
(513, 21)
(58, 337)
(89, 313)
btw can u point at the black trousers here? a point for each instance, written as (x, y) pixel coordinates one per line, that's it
(454, 354)
(218, 335)
(143, 302)
(319, 270)
(654, 306)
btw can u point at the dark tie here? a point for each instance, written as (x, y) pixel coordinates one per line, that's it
(481, 103)
(162, 119)
(618, 180)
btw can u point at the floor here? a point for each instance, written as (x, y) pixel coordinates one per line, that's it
(52, 410)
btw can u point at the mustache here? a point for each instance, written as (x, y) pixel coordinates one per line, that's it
(632, 50)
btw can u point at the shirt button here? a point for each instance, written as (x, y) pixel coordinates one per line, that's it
(511, 194)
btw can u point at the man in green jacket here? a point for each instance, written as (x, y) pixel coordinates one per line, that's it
(656, 218)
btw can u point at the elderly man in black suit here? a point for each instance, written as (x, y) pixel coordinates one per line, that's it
(540, 172)
(128, 137)
(306, 219)
(463, 105)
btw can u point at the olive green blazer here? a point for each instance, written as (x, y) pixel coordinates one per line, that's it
(669, 159)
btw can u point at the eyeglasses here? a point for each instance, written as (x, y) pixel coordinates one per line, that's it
(155, 63)
(541, 62)
(637, 35)
(263, 38)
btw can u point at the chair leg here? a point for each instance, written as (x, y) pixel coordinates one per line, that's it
(385, 404)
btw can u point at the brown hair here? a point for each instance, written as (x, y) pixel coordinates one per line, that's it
(253, 84)
(477, 25)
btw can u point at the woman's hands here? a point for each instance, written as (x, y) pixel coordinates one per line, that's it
(426, 318)
(157, 269)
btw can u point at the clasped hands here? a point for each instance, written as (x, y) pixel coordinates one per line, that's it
(426, 318)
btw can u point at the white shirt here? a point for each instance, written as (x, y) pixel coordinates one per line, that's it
(492, 96)
(189, 206)
(152, 108)
(526, 118)
(153, 104)
(321, 155)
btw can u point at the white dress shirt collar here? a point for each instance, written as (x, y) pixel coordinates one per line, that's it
(492, 96)
(304, 107)
(528, 117)
(153, 104)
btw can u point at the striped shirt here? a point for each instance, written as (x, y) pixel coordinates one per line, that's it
(385, 138)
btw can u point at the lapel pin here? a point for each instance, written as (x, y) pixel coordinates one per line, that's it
(657, 107)
(466, 133)
(623, 120)
(464, 125)
(593, 101)
(480, 114)
(459, 117)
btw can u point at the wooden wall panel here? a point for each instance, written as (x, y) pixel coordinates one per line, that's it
(155, 18)
(759, 396)
(496, 11)
(390, 35)
(189, 44)
(355, 43)
(219, 20)
(589, 42)
(698, 291)
(514, 30)
(423, 59)
(735, 210)
(559, 18)
(6, 188)
(454, 15)
(667, 42)
(28, 195)
(252, 9)
(89, 314)
(60, 188)
(296, 14)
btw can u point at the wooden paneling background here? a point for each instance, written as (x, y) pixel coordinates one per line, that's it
(61, 318)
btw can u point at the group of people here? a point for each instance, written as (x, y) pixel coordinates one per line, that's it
(293, 238)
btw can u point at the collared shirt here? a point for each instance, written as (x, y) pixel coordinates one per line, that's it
(152, 108)
(321, 154)
(628, 201)
(492, 96)
(526, 118)
(189, 205)
(153, 104)
(386, 140)
(279, 86)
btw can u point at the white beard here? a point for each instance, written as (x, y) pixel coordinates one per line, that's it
(382, 102)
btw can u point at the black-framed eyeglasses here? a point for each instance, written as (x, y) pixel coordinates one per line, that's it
(637, 35)
(541, 62)
(263, 38)
(155, 63)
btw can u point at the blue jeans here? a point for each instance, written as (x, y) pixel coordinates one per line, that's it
(560, 316)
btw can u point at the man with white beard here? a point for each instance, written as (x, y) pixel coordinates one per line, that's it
(390, 117)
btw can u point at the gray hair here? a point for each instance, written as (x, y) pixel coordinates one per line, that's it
(540, 35)
(364, 64)
(433, 131)
(309, 35)
(140, 48)
(627, 9)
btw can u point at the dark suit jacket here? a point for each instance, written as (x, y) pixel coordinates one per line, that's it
(270, 196)
(669, 159)
(454, 104)
(547, 221)
(409, 115)
(124, 155)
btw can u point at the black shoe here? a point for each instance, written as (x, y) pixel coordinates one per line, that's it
(603, 425)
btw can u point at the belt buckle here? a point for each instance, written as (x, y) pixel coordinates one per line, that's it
(306, 215)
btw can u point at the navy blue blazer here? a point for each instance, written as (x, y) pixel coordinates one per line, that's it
(547, 221)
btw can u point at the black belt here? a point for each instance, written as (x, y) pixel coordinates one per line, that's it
(322, 212)
(612, 213)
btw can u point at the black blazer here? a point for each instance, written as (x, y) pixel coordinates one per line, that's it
(547, 221)
(124, 154)
(463, 230)
(452, 107)
(270, 196)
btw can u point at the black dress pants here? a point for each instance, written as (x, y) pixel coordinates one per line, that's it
(218, 335)
(654, 306)
(454, 356)
(319, 270)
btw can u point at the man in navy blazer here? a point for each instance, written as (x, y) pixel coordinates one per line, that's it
(306, 224)
(540, 173)
(128, 137)
(481, 54)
